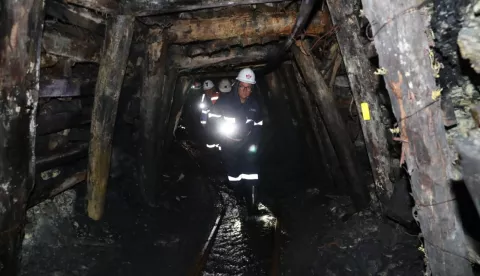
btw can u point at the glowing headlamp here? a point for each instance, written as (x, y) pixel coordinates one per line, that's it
(201, 105)
(252, 149)
(227, 128)
(196, 85)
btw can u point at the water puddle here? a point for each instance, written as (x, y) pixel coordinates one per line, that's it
(242, 247)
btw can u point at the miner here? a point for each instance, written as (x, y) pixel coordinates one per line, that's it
(236, 121)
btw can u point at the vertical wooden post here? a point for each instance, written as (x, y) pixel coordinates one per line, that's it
(288, 75)
(277, 105)
(181, 89)
(332, 157)
(167, 104)
(335, 126)
(164, 116)
(118, 36)
(325, 148)
(150, 112)
(403, 50)
(364, 87)
(21, 30)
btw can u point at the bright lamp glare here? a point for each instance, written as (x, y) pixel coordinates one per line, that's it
(202, 105)
(252, 148)
(227, 128)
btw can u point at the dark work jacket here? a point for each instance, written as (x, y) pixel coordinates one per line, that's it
(248, 119)
(208, 102)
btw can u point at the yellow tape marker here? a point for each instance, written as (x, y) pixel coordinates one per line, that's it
(365, 111)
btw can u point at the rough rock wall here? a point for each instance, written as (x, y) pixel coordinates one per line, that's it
(469, 36)
(457, 78)
(447, 19)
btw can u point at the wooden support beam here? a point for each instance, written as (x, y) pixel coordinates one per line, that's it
(59, 40)
(161, 134)
(364, 86)
(52, 123)
(328, 156)
(335, 126)
(59, 186)
(226, 74)
(59, 88)
(281, 116)
(157, 7)
(329, 162)
(79, 135)
(181, 89)
(214, 46)
(77, 45)
(277, 105)
(253, 25)
(107, 92)
(234, 56)
(55, 181)
(167, 99)
(150, 102)
(336, 65)
(73, 152)
(45, 145)
(52, 143)
(333, 161)
(21, 29)
(104, 6)
(403, 52)
(66, 87)
(77, 16)
(164, 117)
(288, 76)
(54, 106)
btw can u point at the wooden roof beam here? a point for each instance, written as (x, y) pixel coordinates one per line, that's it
(234, 56)
(61, 40)
(214, 46)
(79, 46)
(252, 25)
(74, 15)
(158, 7)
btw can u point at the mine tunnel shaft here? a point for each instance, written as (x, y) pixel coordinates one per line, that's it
(367, 162)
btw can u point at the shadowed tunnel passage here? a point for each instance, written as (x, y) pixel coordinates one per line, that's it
(367, 160)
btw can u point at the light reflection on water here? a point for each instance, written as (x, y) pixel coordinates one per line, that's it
(232, 252)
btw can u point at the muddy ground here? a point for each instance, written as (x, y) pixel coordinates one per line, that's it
(132, 238)
(324, 237)
(319, 233)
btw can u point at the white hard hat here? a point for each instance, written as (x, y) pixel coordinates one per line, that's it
(208, 84)
(224, 86)
(246, 75)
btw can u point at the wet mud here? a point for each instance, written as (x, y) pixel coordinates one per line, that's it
(319, 233)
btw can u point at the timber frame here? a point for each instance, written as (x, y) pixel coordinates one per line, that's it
(19, 77)
(404, 58)
(150, 46)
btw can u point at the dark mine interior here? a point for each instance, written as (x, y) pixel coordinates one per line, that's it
(230, 137)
